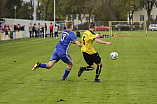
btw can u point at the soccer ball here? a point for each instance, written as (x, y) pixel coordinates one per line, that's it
(114, 55)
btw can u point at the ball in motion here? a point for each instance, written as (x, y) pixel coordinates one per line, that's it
(114, 55)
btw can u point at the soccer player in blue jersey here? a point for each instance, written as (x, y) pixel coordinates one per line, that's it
(61, 51)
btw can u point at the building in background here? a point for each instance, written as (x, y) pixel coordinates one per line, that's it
(141, 15)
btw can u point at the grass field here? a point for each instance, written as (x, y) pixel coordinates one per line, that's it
(129, 33)
(131, 79)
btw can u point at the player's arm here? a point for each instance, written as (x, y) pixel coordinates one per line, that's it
(77, 42)
(73, 42)
(102, 42)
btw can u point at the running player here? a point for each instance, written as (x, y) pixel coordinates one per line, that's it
(61, 51)
(89, 53)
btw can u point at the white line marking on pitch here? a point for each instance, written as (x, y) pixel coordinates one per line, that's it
(128, 33)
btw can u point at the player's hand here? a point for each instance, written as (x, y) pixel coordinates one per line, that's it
(78, 43)
(108, 43)
(73, 42)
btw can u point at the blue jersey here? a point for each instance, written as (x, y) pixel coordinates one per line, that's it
(65, 41)
(0, 29)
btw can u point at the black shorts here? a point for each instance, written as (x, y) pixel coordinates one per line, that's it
(90, 59)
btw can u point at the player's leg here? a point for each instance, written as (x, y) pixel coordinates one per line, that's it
(36, 66)
(54, 58)
(44, 65)
(67, 71)
(86, 68)
(52, 33)
(66, 59)
(98, 71)
(50, 64)
(97, 60)
(89, 61)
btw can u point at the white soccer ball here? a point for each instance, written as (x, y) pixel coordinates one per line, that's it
(114, 55)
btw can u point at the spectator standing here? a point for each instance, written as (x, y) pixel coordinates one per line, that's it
(99, 35)
(15, 27)
(0, 26)
(33, 30)
(51, 30)
(56, 31)
(18, 27)
(41, 30)
(7, 29)
(11, 31)
(36, 30)
(23, 28)
(30, 29)
(4, 27)
(45, 30)
(0, 30)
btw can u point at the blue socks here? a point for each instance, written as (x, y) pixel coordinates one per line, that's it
(67, 71)
(43, 65)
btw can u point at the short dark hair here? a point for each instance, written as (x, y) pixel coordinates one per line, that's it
(92, 25)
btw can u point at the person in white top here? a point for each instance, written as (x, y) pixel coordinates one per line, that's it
(55, 29)
(99, 35)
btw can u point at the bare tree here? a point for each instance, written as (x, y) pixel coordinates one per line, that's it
(148, 5)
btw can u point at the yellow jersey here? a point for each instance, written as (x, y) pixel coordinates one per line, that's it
(87, 42)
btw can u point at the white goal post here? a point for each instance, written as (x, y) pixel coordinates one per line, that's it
(128, 28)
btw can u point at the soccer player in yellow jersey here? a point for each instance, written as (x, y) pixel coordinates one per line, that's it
(89, 53)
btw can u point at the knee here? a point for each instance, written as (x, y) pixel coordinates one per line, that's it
(71, 65)
(49, 66)
(99, 64)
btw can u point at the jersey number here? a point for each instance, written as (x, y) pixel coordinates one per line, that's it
(84, 40)
(64, 35)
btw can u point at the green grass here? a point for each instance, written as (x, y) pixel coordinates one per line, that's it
(129, 33)
(131, 79)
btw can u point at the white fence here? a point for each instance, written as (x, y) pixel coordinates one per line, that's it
(27, 23)
(13, 35)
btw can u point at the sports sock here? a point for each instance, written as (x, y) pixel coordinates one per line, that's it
(98, 71)
(44, 65)
(67, 71)
(87, 68)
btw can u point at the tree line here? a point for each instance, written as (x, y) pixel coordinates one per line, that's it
(100, 10)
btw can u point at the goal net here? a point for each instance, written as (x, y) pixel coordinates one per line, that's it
(127, 28)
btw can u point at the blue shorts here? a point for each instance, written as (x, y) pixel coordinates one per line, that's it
(57, 55)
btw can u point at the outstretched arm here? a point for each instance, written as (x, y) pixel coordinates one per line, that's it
(103, 42)
(77, 42)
